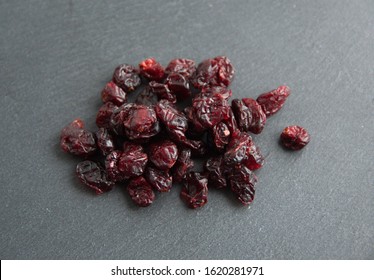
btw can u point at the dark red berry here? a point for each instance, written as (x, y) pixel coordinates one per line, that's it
(271, 102)
(146, 97)
(151, 69)
(163, 154)
(215, 169)
(94, 176)
(254, 160)
(183, 66)
(162, 91)
(195, 190)
(221, 92)
(76, 140)
(242, 115)
(295, 137)
(126, 77)
(242, 183)
(104, 115)
(140, 192)
(216, 71)
(258, 116)
(183, 165)
(160, 180)
(104, 141)
(221, 135)
(178, 85)
(113, 93)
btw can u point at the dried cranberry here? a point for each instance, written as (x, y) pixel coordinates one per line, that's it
(255, 160)
(215, 169)
(195, 190)
(242, 183)
(126, 77)
(105, 141)
(221, 135)
(242, 114)
(183, 66)
(178, 85)
(94, 176)
(295, 137)
(216, 71)
(151, 69)
(146, 97)
(140, 192)
(162, 91)
(271, 102)
(124, 165)
(237, 149)
(113, 93)
(258, 116)
(163, 154)
(183, 165)
(76, 140)
(104, 115)
(160, 180)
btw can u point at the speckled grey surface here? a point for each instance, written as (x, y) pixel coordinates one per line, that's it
(55, 56)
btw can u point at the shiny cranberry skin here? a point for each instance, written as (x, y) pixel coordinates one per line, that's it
(221, 92)
(216, 71)
(295, 137)
(163, 154)
(254, 159)
(162, 91)
(104, 115)
(271, 102)
(113, 93)
(126, 77)
(238, 148)
(160, 180)
(178, 85)
(94, 176)
(183, 66)
(183, 165)
(104, 141)
(242, 114)
(151, 69)
(258, 116)
(140, 192)
(124, 165)
(195, 190)
(242, 182)
(76, 140)
(214, 166)
(221, 135)
(146, 97)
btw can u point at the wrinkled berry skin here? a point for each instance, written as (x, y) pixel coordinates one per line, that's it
(178, 85)
(216, 71)
(151, 69)
(271, 102)
(242, 115)
(195, 190)
(220, 92)
(163, 154)
(249, 115)
(162, 91)
(221, 135)
(146, 97)
(242, 182)
(126, 77)
(76, 140)
(295, 137)
(183, 165)
(214, 166)
(104, 115)
(131, 162)
(104, 141)
(140, 192)
(94, 176)
(113, 93)
(160, 180)
(182, 66)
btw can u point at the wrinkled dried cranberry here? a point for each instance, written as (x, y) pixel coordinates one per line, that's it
(242, 115)
(258, 115)
(160, 180)
(126, 77)
(94, 176)
(104, 115)
(195, 190)
(151, 69)
(271, 102)
(146, 97)
(183, 165)
(242, 183)
(255, 160)
(295, 137)
(183, 66)
(162, 91)
(104, 141)
(76, 140)
(221, 135)
(124, 165)
(140, 192)
(214, 166)
(216, 71)
(221, 92)
(113, 93)
(178, 85)
(163, 154)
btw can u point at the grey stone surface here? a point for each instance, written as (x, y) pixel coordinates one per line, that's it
(55, 56)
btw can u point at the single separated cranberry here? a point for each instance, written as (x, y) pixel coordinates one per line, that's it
(151, 69)
(126, 77)
(195, 190)
(295, 137)
(271, 102)
(140, 192)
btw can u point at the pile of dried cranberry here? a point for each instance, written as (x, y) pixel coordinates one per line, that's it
(150, 144)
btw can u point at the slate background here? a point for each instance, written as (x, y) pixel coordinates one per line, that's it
(55, 56)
